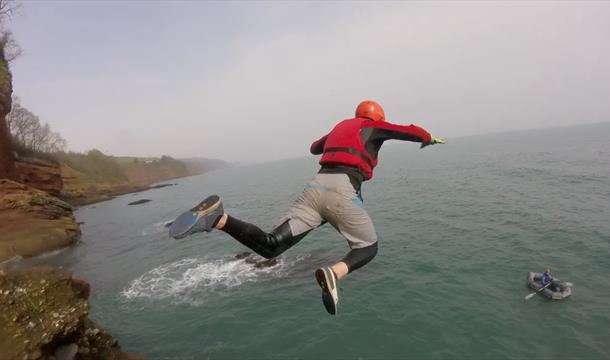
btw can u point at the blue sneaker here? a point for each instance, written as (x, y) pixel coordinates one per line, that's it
(202, 217)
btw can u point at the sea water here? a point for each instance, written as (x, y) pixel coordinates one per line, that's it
(459, 227)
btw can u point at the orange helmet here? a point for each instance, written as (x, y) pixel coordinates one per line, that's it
(371, 110)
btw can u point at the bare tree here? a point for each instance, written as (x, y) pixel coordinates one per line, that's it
(28, 131)
(9, 8)
(12, 50)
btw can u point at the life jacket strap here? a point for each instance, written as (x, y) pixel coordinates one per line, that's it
(353, 151)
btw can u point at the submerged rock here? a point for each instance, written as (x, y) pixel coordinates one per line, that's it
(138, 202)
(256, 260)
(159, 186)
(243, 255)
(265, 263)
(44, 315)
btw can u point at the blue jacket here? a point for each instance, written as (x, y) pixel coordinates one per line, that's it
(545, 279)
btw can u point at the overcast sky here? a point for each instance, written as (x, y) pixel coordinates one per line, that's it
(260, 81)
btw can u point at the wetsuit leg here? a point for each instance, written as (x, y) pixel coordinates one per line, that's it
(268, 245)
(357, 258)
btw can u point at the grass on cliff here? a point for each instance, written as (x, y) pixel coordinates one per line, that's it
(151, 170)
(94, 174)
(95, 166)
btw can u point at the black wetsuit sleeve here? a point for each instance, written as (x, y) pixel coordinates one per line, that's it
(357, 258)
(381, 131)
(268, 245)
(374, 133)
(318, 146)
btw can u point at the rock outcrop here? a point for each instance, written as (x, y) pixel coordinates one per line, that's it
(33, 222)
(256, 260)
(44, 315)
(40, 174)
(160, 186)
(138, 202)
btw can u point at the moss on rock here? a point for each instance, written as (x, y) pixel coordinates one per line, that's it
(44, 313)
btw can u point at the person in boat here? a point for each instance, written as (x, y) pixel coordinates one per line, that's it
(547, 278)
(349, 153)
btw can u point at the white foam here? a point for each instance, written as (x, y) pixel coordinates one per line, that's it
(11, 260)
(189, 280)
(156, 228)
(44, 255)
(53, 252)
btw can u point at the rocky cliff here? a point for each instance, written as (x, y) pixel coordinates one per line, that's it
(7, 166)
(44, 315)
(40, 174)
(33, 222)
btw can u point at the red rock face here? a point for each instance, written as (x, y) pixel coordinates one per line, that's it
(7, 166)
(33, 222)
(40, 174)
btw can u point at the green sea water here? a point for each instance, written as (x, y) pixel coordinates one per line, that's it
(459, 227)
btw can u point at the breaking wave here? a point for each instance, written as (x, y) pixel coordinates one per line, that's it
(186, 280)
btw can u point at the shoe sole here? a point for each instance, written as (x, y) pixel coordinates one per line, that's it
(323, 278)
(207, 206)
(204, 208)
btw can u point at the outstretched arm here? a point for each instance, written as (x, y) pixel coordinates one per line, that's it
(318, 146)
(388, 131)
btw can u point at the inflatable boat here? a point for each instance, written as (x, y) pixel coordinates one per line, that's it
(565, 289)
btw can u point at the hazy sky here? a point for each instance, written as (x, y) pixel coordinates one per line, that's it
(247, 81)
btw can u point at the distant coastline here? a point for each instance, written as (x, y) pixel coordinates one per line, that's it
(96, 177)
(112, 192)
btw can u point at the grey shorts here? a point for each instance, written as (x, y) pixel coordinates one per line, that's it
(332, 198)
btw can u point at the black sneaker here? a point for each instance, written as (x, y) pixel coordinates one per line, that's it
(328, 282)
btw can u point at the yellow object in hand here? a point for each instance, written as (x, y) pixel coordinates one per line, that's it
(436, 140)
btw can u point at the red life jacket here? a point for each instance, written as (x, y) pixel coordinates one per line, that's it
(344, 146)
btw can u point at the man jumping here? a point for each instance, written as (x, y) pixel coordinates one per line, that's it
(349, 155)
